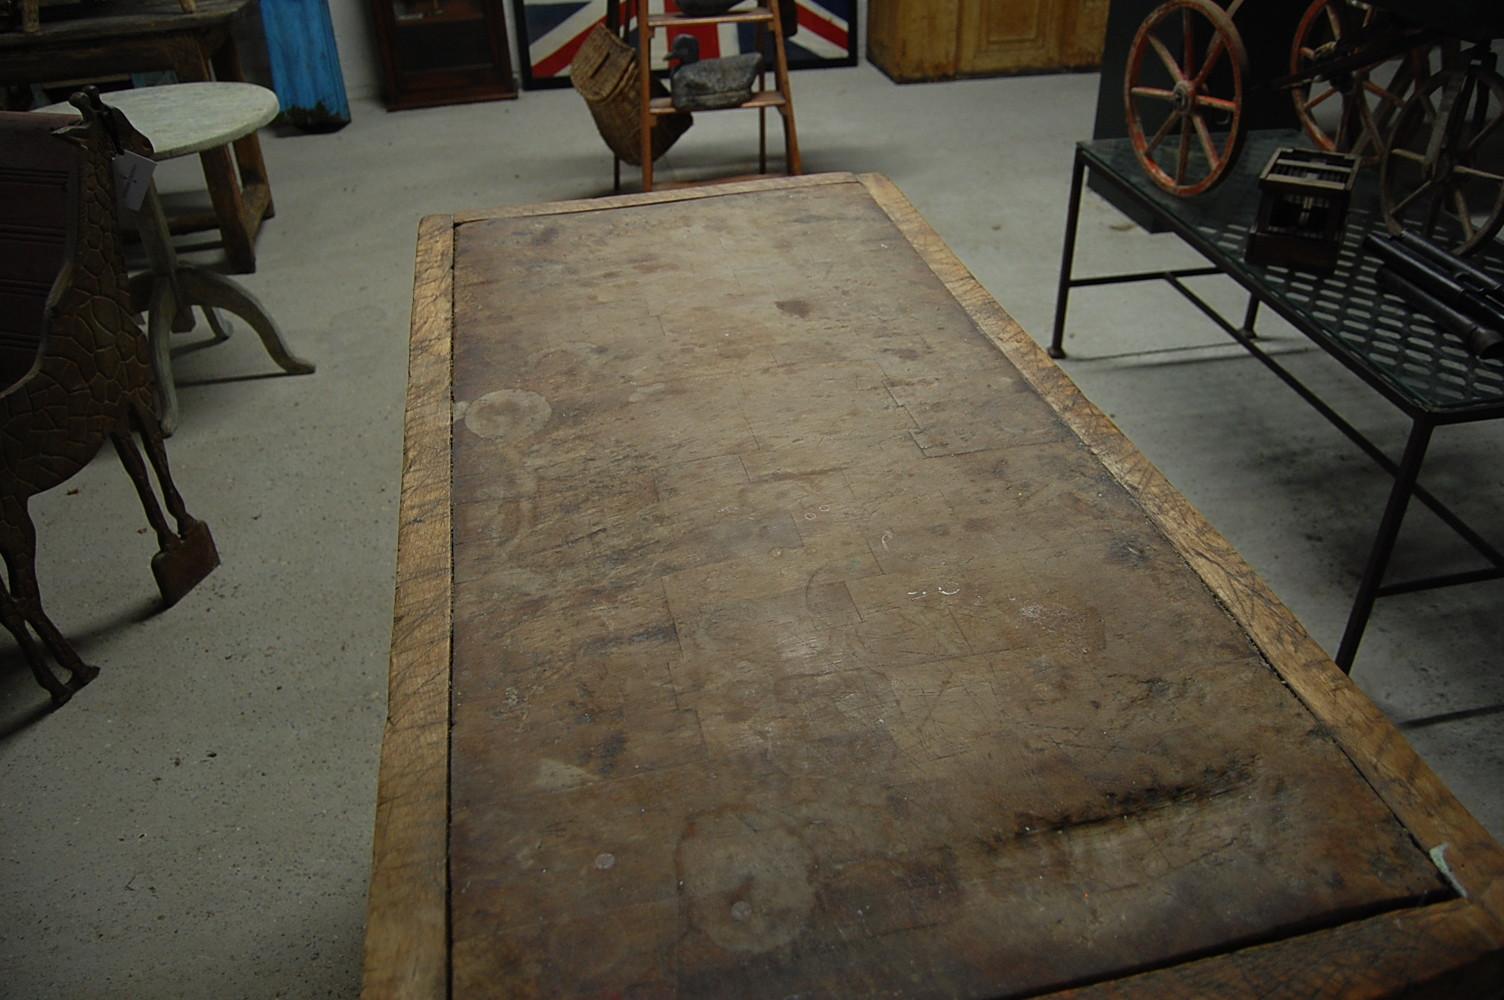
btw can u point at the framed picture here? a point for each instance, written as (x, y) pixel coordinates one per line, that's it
(549, 33)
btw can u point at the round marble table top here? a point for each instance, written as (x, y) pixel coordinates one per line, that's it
(181, 118)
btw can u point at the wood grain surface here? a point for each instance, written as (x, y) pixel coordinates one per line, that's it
(813, 635)
(1405, 782)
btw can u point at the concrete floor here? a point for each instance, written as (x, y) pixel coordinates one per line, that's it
(197, 822)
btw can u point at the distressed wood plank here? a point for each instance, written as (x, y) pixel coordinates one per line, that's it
(1447, 950)
(407, 920)
(1376, 747)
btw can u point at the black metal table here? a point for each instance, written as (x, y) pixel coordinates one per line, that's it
(1425, 372)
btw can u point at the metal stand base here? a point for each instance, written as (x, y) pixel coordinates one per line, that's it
(1406, 472)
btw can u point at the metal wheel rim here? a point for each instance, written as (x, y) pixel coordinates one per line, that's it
(1189, 96)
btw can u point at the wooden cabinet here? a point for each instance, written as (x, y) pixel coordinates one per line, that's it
(914, 40)
(443, 52)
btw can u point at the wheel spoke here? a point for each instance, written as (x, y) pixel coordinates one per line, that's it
(1308, 53)
(1410, 198)
(1213, 53)
(1463, 215)
(1185, 150)
(1484, 133)
(1332, 19)
(1371, 133)
(1153, 93)
(1386, 96)
(1324, 96)
(1163, 131)
(1432, 214)
(1164, 56)
(1220, 103)
(1188, 31)
(1408, 154)
(1207, 146)
(1475, 172)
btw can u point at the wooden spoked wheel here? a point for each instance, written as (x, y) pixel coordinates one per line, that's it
(1352, 112)
(1442, 175)
(1183, 93)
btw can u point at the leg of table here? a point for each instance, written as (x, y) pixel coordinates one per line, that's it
(215, 291)
(166, 307)
(1383, 545)
(1250, 317)
(229, 206)
(253, 177)
(151, 226)
(191, 62)
(1067, 258)
(163, 305)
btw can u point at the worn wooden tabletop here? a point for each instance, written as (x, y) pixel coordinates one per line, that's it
(774, 618)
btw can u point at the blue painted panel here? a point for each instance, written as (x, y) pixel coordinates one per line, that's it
(305, 63)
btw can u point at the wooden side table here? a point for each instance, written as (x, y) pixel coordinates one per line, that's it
(181, 119)
(128, 36)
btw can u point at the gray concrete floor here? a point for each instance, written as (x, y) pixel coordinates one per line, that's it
(197, 822)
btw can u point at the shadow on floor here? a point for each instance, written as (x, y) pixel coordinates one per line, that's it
(23, 702)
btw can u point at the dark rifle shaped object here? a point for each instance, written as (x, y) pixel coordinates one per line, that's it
(1459, 297)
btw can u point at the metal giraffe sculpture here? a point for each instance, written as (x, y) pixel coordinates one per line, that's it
(90, 381)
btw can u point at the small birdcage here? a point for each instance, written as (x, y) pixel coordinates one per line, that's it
(1303, 208)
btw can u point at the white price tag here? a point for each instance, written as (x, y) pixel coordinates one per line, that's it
(132, 177)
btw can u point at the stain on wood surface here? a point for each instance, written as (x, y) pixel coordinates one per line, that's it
(780, 588)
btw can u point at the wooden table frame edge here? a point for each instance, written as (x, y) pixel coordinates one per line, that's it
(407, 932)
(407, 914)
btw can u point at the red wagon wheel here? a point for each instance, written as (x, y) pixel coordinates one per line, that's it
(1351, 113)
(1183, 93)
(1442, 174)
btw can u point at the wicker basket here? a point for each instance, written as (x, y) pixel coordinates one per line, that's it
(604, 71)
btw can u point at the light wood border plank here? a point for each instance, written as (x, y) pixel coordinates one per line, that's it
(661, 197)
(407, 916)
(1382, 755)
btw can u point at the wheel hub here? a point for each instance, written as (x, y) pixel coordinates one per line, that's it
(1183, 96)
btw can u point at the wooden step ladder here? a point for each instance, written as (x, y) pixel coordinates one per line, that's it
(765, 17)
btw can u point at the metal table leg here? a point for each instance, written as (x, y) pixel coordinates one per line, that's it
(1383, 545)
(1067, 258)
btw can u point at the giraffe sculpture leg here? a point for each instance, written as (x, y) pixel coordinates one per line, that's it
(12, 619)
(25, 599)
(156, 454)
(136, 469)
(187, 556)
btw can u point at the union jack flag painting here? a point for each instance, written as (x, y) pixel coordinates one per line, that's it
(551, 32)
